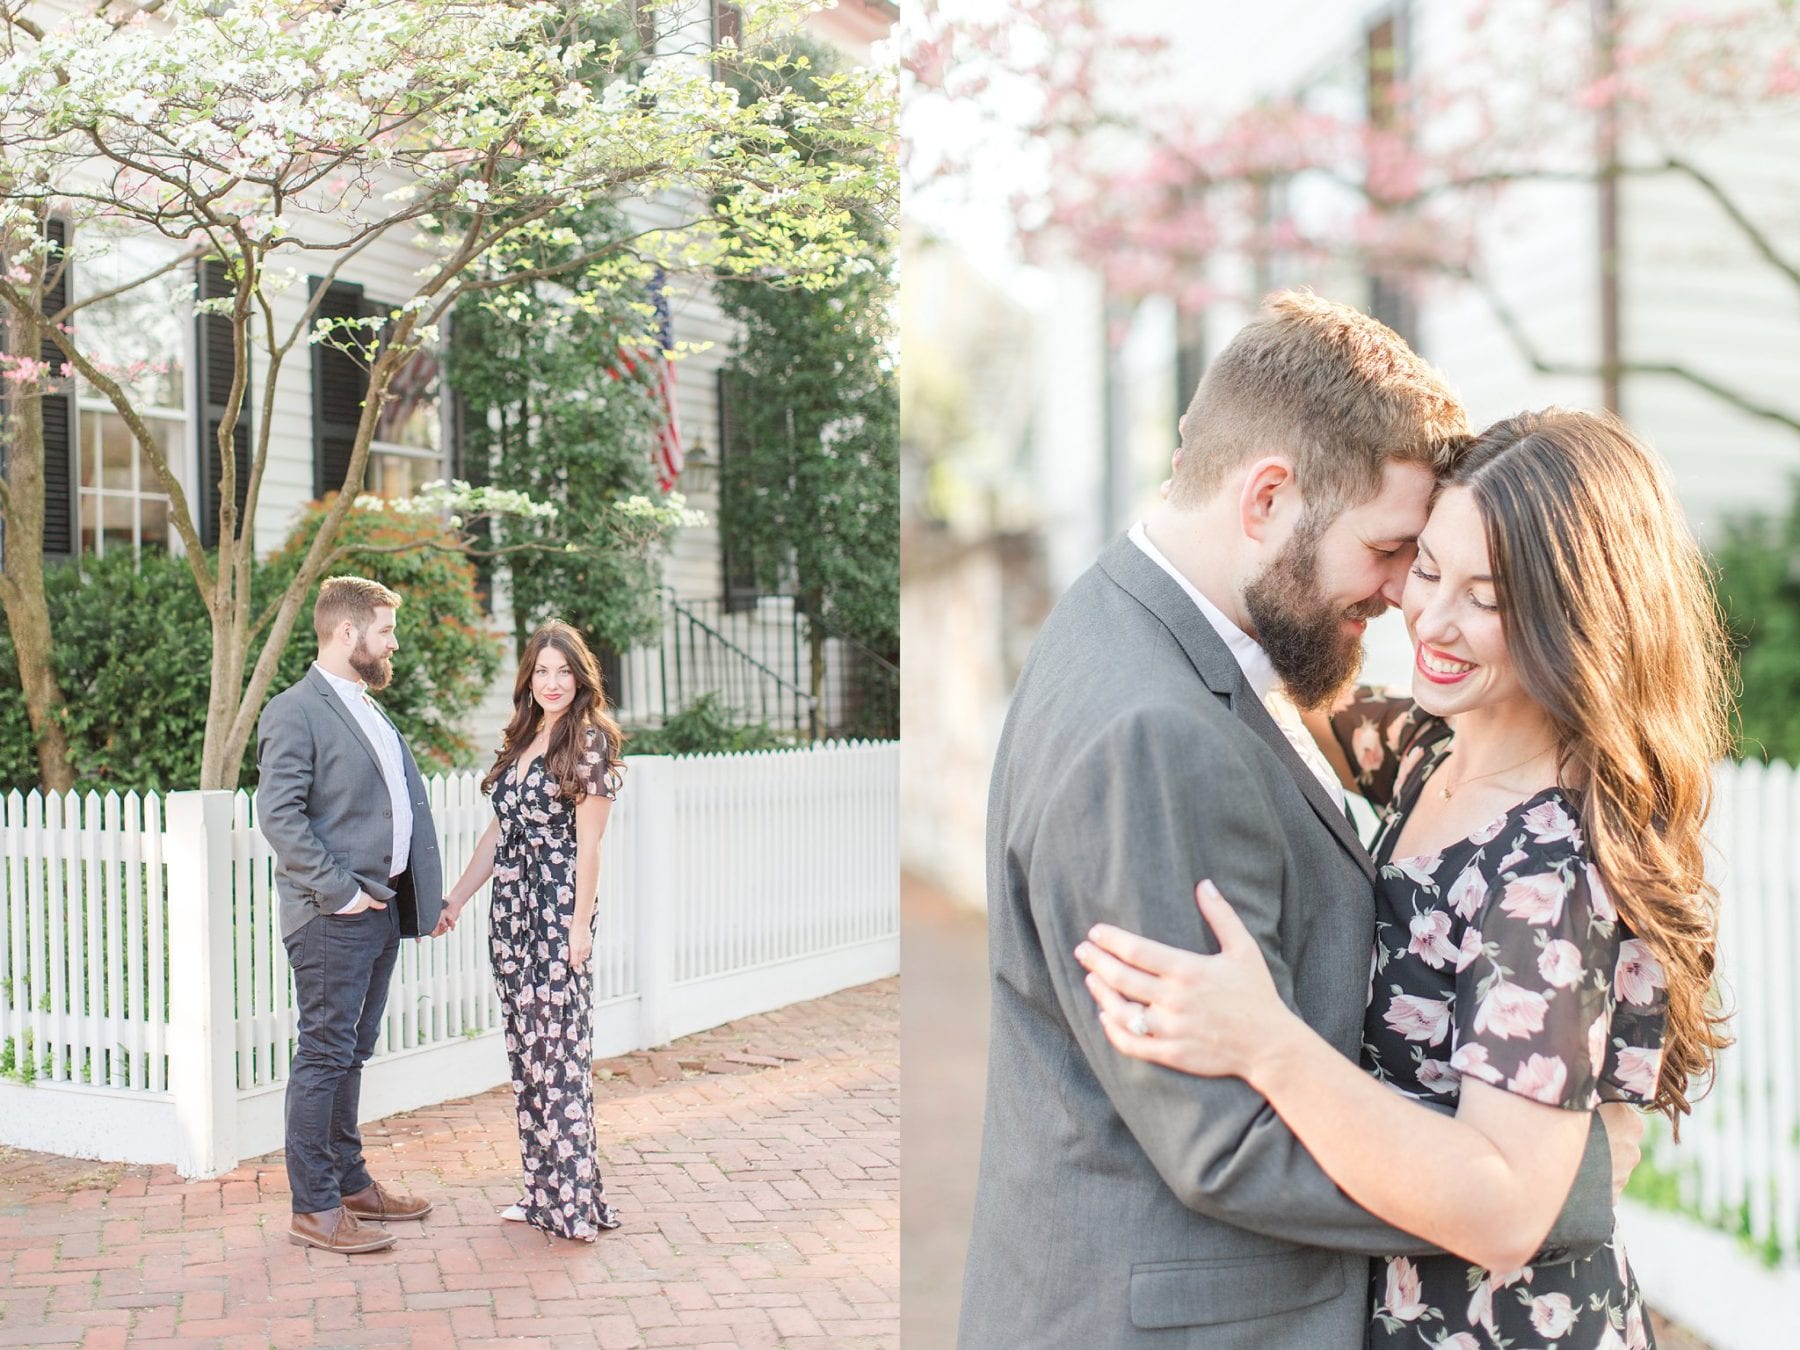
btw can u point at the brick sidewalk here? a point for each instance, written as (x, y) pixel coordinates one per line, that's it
(756, 1167)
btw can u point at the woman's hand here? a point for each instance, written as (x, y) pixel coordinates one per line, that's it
(581, 944)
(447, 920)
(1214, 1016)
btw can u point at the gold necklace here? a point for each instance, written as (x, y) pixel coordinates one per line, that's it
(1446, 792)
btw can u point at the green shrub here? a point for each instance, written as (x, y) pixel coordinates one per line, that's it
(704, 727)
(133, 652)
(1758, 583)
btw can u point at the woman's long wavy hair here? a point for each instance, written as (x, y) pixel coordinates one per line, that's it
(588, 709)
(1611, 622)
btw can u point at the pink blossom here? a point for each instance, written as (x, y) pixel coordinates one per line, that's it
(1467, 892)
(1366, 741)
(1481, 1308)
(1462, 1340)
(1396, 730)
(1560, 963)
(1541, 1078)
(1418, 1018)
(1402, 1300)
(1598, 898)
(1490, 831)
(1436, 1075)
(1431, 938)
(1510, 1010)
(1635, 1339)
(1597, 1043)
(1470, 949)
(1512, 860)
(1638, 1070)
(1419, 869)
(1548, 822)
(1536, 899)
(1552, 1314)
(1472, 1060)
(1638, 974)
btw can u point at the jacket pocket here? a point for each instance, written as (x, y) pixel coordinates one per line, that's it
(1232, 1289)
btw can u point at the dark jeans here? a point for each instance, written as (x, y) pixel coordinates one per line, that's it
(343, 965)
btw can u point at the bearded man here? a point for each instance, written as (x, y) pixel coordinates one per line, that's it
(1155, 740)
(340, 800)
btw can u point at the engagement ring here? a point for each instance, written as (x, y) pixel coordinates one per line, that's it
(1139, 1025)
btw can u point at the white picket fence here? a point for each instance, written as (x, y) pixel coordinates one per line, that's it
(146, 1006)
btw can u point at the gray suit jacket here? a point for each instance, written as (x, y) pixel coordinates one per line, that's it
(1123, 1204)
(322, 804)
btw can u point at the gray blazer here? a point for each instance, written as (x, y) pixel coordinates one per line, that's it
(1119, 1203)
(322, 804)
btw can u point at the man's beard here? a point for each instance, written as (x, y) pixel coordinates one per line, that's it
(1299, 630)
(377, 672)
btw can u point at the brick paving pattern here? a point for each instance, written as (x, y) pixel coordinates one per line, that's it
(945, 1026)
(756, 1166)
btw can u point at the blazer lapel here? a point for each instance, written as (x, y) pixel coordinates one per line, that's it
(1156, 590)
(322, 686)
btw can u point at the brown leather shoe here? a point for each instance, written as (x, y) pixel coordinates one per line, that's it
(337, 1230)
(374, 1202)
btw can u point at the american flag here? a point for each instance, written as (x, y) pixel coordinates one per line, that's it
(660, 375)
(668, 455)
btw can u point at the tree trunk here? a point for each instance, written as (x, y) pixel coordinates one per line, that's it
(22, 581)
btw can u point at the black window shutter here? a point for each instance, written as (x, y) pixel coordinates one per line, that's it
(59, 415)
(340, 384)
(735, 562)
(215, 361)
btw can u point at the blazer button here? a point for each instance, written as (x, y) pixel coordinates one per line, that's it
(389, 812)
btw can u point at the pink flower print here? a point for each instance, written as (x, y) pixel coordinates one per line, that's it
(1418, 1018)
(1609, 1339)
(1462, 1340)
(1548, 822)
(1396, 732)
(1408, 762)
(1635, 1339)
(1365, 741)
(1560, 963)
(1472, 1060)
(1638, 974)
(1490, 831)
(1510, 1010)
(1431, 938)
(1638, 1070)
(1470, 949)
(1403, 1289)
(1598, 898)
(1419, 869)
(1467, 892)
(1597, 1043)
(1536, 899)
(1481, 1308)
(1552, 1315)
(1512, 859)
(1436, 1075)
(1541, 1078)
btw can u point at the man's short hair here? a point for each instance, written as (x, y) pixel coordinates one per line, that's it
(352, 598)
(1338, 393)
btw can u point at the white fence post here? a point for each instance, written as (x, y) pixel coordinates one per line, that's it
(652, 786)
(202, 1039)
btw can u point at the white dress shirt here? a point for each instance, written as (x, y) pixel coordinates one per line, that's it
(386, 741)
(1258, 672)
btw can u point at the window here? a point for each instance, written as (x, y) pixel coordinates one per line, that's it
(408, 448)
(139, 338)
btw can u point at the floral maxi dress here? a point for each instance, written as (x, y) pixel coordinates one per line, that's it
(546, 1006)
(1499, 957)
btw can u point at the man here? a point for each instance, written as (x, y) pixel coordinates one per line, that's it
(340, 800)
(1121, 1204)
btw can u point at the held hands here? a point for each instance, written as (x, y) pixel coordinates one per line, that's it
(447, 920)
(1214, 1016)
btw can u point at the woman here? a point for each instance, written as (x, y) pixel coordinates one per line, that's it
(553, 784)
(1544, 931)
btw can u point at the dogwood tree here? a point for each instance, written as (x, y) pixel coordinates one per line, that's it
(284, 139)
(1118, 162)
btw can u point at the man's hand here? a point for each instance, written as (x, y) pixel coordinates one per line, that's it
(363, 901)
(447, 920)
(1624, 1133)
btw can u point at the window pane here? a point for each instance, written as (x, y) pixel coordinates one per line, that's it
(136, 336)
(91, 426)
(116, 448)
(157, 535)
(395, 475)
(90, 513)
(168, 436)
(116, 521)
(410, 415)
